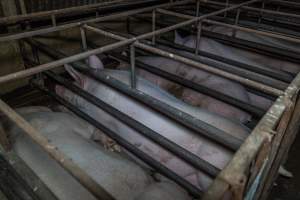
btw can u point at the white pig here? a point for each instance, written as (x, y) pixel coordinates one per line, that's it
(236, 54)
(208, 150)
(200, 77)
(122, 178)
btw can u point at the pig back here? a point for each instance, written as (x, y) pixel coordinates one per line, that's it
(120, 177)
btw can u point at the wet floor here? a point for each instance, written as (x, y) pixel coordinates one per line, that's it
(285, 188)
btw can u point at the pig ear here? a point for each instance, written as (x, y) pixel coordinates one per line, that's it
(178, 39)
(95, 63)
(75, 75)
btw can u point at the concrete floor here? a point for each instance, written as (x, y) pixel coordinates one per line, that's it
(285, 188)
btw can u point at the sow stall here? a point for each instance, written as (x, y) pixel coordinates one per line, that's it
(254, 167)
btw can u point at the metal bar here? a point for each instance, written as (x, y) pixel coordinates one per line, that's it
(268, 50)
(153, 25)
(132, 64)
(164, 142)
(179, 116)
(250, 83)
(65, 162)
(269, 34)
(83, 38)
(128, 146)
(53, 18)
(197, 87)
(263, 132)
(267, 72)
(23, 17)
(198, 39)
(77, 24)
(285, 14)
(54, 64)
(236, 22)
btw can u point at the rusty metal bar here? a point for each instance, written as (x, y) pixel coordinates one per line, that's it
(264, 131)
(64, 161)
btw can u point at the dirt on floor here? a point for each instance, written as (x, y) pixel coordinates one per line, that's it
(289, 188)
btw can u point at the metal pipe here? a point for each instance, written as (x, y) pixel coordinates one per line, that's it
(132, 64)
(83, 38)
(198, 38)
(181, 117)
(72, 10)
(264, 71)
(164, 142)
(250, 83)
(231, 69)
(285, 14)
(77, 24)
(269, 34)
(40, 68)
(271, 51)
(252, 109)
(153, 25)
(128, 146)
(53, 151)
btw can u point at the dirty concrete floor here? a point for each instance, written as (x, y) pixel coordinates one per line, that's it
(285, 188)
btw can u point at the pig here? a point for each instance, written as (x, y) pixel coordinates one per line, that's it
(206, 149)
(266, 40)
(201, 77)
(236, 54)
(120, 177)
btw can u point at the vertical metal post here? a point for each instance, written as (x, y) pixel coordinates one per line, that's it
(236, 22)
(197, 11)
(199, 29)
(53, 18)
(261, 11)
(197, 8)
(153, 25)
(227, 4)
(83, 38)
(132, 63)
(128, 24)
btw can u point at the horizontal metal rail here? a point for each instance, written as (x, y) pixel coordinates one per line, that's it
(260, 10)
(194, 191)
(257, 112)
(273, 73)
(48, 66)
(50, 13)
(247, 82)
(249, 30)
(61, 158)
(52, 29)
(172, 147)
(179, 116)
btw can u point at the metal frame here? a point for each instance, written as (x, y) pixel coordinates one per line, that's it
(232, 180)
